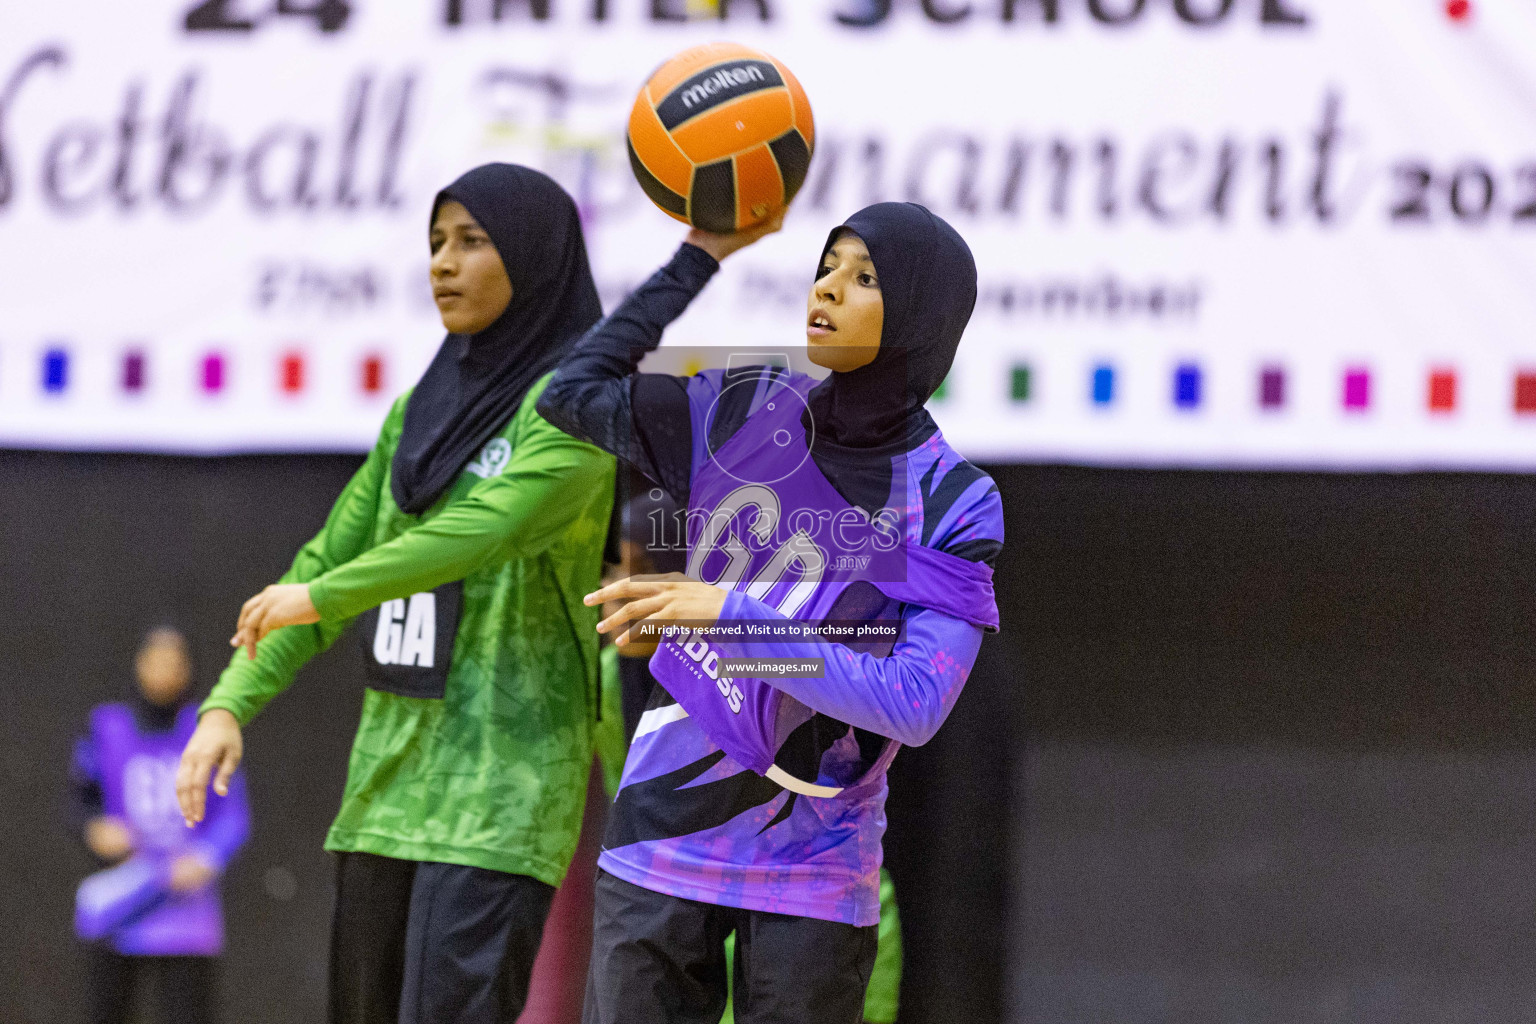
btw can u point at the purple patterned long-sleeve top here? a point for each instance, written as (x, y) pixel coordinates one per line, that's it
(769, 793)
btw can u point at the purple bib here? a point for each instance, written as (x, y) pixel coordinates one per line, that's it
(130, 905)
(763, 519)
(138, 774)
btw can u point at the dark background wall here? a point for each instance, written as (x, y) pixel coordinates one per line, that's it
(1250, 747)
(1278, 752)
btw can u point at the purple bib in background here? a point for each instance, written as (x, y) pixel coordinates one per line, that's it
(131, 905)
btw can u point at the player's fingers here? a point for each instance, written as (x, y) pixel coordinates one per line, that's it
(634, 611)
(620, 590)
(247, 638)
(612, 592)
(259, 625)
(642, 610)
(227, 765)
(619, 617)
(199, 787)
(184, 775)
(245, 611)
(768, 227)
(192, 795)
(183, 784)
(243, 623)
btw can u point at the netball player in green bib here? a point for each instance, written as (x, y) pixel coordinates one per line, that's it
(464, 545)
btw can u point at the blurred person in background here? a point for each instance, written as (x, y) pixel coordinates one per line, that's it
(154, 909)
(471, 533)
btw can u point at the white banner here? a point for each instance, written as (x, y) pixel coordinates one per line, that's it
(1210, 232)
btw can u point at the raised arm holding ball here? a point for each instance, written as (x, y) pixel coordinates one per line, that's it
(756, 805)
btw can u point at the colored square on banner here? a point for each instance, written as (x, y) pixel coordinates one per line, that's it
(55, 371)
(291, 375)
(135, 371)
(1442, 391)
(1271, 388)
(372, 375)
(213, 373)
(943, 391)
(1102, 384)
(1019, 383)
(1357, 389)
(1186, 386)
(1525, 392)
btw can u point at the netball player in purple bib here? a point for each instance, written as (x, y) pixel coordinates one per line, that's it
(156, 913)
(757, 804)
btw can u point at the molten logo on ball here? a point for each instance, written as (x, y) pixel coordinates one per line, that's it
(721, 137)
(725, 78)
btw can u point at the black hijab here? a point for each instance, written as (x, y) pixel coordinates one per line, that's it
(928, 287)
(476, 382)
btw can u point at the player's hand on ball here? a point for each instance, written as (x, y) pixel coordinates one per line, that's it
(215, 744)
(721, 246)
(190, 872)
(672, 597)
(281, 604)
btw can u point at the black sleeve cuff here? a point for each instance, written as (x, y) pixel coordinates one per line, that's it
(693, 266)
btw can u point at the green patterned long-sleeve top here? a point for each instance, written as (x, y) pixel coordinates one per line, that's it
(494, 774)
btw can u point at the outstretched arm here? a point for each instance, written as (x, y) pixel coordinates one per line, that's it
(247, 685)
(905, 696)
(596, 394)
(641, 417)
(254, 677)
(516, 514)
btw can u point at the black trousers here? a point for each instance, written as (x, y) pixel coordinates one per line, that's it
(426, 943)
(661, 960)
(183, 987)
